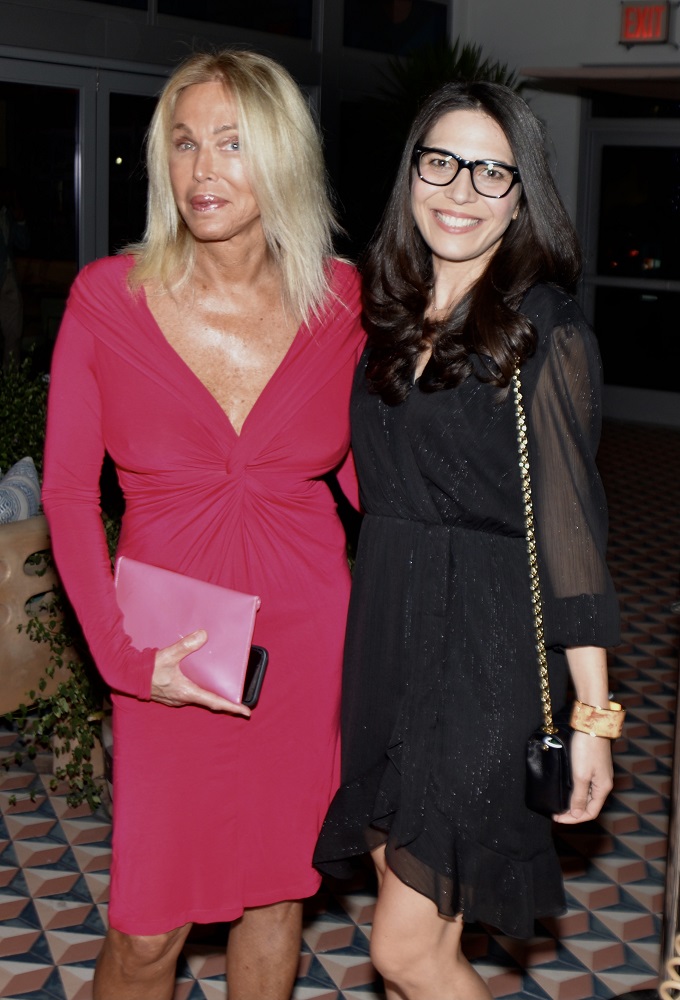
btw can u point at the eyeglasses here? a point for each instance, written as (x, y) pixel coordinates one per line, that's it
(440, 167)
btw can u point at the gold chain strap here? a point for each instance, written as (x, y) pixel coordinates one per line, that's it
(523, 448)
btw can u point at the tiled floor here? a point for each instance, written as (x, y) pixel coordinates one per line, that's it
(54, 860)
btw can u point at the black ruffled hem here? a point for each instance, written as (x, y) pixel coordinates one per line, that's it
(457, 874)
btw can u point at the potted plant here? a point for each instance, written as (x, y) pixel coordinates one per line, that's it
(410, 79)
(65, 705)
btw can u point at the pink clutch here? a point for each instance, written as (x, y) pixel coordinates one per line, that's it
(159, 607)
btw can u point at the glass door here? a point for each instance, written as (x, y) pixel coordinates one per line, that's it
(72, 187)
(44, 192)
(631, 224)
(125, 104)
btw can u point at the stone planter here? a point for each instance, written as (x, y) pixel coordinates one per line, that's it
(26, 581)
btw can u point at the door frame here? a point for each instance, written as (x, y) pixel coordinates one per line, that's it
(620, 402)
(94, 83)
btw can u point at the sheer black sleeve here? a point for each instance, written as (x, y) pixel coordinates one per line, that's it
(562, 389)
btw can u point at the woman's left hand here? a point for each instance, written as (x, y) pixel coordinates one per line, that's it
(593, 774)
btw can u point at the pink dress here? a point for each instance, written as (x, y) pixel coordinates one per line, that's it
(212, 813)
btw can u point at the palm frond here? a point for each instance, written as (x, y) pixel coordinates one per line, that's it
(408, 80)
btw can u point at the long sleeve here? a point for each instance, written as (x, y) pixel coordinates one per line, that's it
(570, 510)
(74, 452)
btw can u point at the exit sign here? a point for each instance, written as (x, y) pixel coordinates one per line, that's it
(644, 22)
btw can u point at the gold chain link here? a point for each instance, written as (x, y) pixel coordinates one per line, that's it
(546, 704)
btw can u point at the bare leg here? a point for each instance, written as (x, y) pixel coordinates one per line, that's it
(263, 953)
(131, 967)
(416, 950)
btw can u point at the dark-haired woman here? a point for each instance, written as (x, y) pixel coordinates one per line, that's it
(466, 277)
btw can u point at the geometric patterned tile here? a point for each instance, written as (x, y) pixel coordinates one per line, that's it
(502, 982)
(28, 827)
(527, 954)
(68, 947)
(76, 982)
(359, 906)
(596, 953)
(659, 821)
(204, 961)
(347, 971)
(13, 780)
(103, 911)
(565, 984)
(321, 993)
(187, 989)
(636, 763)
(64, 811)
(98, 886)
(85, 831)
(327, 935)
(641, 801)
(49, 882)
(23, 804)
(647, 846)
(38, 852)
(627, 925)
(621, 869)
(57, 913)
(650, 895)
(628, 982)
(573, 921)
(592, 894)
(620, 821)
(17, 940)
(647, 952)
(22, 977)
(11, 907)
(54, 870)
(7, 874)
(214, 990)
(358, 995)
(93, 859)
(657, 867)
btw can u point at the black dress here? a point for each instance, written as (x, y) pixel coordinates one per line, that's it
(441, 683)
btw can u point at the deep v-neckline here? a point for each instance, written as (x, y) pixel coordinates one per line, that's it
(204, 388)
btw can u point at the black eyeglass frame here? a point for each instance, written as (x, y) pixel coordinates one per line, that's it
(462, 165)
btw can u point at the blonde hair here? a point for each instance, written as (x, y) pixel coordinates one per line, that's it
(282, 157)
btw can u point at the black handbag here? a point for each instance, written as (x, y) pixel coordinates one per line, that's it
(548, 768)
(549, 783)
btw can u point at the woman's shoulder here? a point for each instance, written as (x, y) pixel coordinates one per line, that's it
(340, 316)
(111, 272)
(344, 288)
(562, 329)
(343, 278)
(100, 295)
(548, 306)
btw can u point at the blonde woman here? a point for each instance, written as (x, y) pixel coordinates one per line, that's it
(213, 362)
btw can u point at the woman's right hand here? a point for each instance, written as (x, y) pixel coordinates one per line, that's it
(169, 686)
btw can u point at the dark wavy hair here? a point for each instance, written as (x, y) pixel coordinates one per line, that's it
(539, 246)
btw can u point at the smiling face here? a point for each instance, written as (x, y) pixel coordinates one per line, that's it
(462, 228)
(208, 180)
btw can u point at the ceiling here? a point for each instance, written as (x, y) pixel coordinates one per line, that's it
(662, 82)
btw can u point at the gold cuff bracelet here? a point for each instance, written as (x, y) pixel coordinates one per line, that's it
(597, 721)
